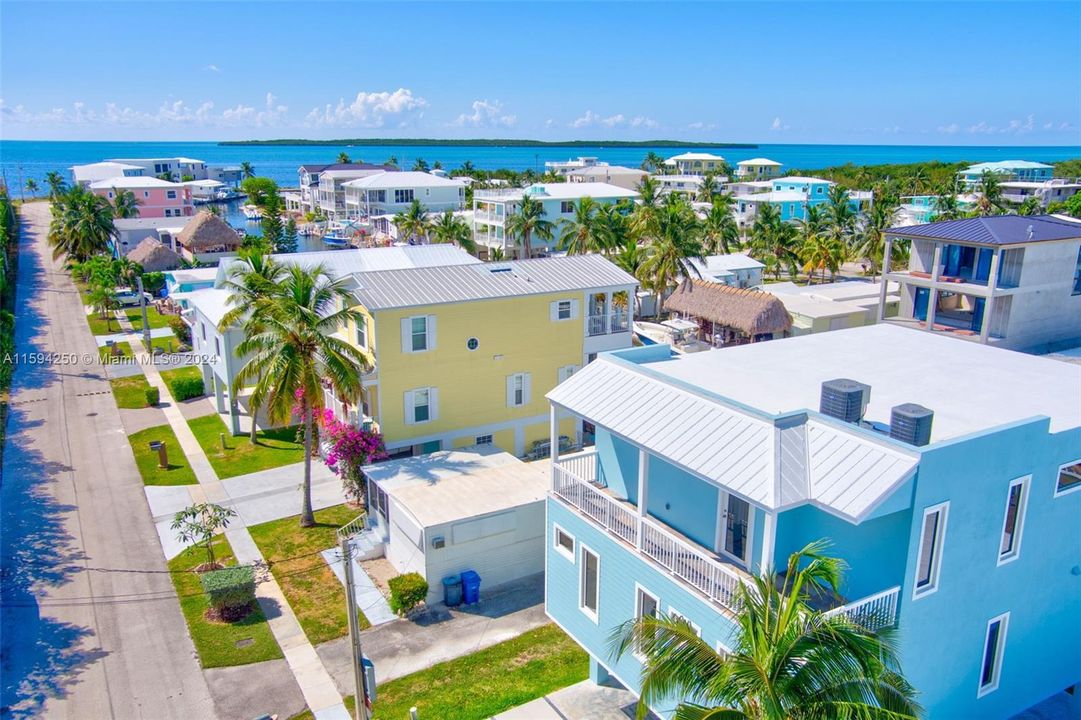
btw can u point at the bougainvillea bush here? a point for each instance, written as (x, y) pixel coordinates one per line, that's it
(348, 448)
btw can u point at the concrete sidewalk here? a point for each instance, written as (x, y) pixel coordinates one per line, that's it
(581, 701)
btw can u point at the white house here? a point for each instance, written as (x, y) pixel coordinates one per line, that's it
(388, 193)
(85, 175)
(177, 168)
(758, 169)
(624, 177)
(696, 163)
(567, 166)
(735, 269)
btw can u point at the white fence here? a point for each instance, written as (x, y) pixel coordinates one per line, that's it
(873, 612)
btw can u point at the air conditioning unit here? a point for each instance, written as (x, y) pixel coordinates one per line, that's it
(844, 399)
(911, 423)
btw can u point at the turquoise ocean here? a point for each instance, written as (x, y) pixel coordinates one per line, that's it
(21, 160)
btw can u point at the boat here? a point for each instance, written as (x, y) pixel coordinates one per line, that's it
(681, 334)
(251, 212)
(334, 238)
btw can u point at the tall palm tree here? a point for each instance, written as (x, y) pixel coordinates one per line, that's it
(82, 225)
(946, 205)
(451, 228)
(653, 162)
(1031, 206)
(708, 188)
(667, 258)
(57, 185)
(586, 232)
(646, 211)
(292, 352)
(528, 222)
(32, 187)
(917, 180)
(788, 661)
(413, 222)
(615, 219)
(720, 232)
(821, 252)
(392, 161)
(468, 168)
(420, 165)
(246, 169)
(870, 239)
(989, 195)
(774, 241)
(125, 204)
(250, 281)
(343, 158)
(839, 216)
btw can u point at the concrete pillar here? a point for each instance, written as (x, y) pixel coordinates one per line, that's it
(932, 300)
(234, 417)
(643, 491)
(989, 305)
(219, 394)
(597, 672)
(553, 434)
(885, 283)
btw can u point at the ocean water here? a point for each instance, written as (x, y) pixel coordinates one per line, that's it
(20, 160)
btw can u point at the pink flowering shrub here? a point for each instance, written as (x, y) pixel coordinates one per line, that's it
(348, 449)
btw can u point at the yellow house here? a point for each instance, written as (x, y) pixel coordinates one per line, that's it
(464, 355)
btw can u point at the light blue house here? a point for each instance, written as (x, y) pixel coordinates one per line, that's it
(926, 474)
(1022, 170)
(791, 196)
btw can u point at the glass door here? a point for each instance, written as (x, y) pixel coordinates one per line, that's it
(736, 528)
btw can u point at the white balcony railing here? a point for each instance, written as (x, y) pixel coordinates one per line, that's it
(873, 612)
(605, 323)
(681, 558)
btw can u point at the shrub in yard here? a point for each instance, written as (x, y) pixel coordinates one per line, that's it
(407, 591)
(230, 591)
(153, 396)
(180, 329)
(186, 388)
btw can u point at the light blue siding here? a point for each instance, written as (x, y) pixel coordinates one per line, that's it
(618, 465)
(682, 501)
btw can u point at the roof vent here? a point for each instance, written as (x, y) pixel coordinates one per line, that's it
(1031, 231)
(911, 423)
(844, 399)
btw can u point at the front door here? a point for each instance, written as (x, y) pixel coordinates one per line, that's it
(736, 528)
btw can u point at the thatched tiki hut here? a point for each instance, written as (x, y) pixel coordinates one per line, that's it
(154, 257)
(207, 237)
(730, 316)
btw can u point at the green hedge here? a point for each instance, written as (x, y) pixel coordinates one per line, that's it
(407, 591)
(186, 388)
(153, 396)
(231, 587)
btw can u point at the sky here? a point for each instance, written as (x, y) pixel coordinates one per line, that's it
(970, 73)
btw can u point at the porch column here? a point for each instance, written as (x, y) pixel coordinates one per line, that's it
(643, 490)
(553, 433)
(608, 311)
(932, 296)
(885, 283)
(219, 395)
(769, 540)
(989, 305)
(234, 417)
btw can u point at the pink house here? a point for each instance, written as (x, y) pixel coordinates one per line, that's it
(156, 198)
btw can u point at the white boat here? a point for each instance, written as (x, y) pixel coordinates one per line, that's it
(681, 334)
(251, 212)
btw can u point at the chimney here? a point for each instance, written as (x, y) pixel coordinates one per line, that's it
(911, 423)
(844, 399)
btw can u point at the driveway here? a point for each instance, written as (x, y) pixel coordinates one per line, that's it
(91, 627)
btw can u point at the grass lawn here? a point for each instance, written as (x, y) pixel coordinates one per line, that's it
(485, 683)
(130, 392)
(313, 592)
(105, 353)
(99, 326)
(179, 471)
(273, 449)
(154, 318)
(181, 372)
(216, 642)
(168, 344)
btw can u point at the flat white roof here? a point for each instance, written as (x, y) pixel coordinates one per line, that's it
(1006, 165)
(759, 161)
(211, 302)
(812, 307)
(695, 156)
(969, 386)
(203, 183)
(773, 196)
(800, 179)
(132, 182)
(453, 485)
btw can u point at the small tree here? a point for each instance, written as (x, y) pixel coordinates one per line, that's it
(102, 297)
(288, 241)
(350, 448)
(407, 591)
(197, 524)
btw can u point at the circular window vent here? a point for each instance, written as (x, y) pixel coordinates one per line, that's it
(472, 343)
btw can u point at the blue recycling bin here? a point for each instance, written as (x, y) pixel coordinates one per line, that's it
(470, 587)
(452, 591)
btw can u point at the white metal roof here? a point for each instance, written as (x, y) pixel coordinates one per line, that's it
(691, 156)
(436, 285)
(731, 261)
(407, 179)
(132, 182)
(759, 161)
(606, 170)
(211, 302)
(203, 183)
(773, 196)
(1006, 166)
(100, 171)
(801, 179)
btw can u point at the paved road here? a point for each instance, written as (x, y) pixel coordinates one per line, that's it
(90, 624)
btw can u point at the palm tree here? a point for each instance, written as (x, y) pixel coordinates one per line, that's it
(720, 230)
(392, 161)
(413, 223)
(787, 660)
(32, 187)
(343, 158)
(708, 188)
(917, 180)
(468, 168)
(586, 232)
(292, 353)
(615, 219)
(451, 228)
(125, 204)
(774, 241)
(82, 225)
(871, 236)
(56, 183)
(653, 162)
(946, 205)
(250, 281)
(644, 221)
(420, 165)
(677, 242)
(246, 169)
(526, 222)
(839, 216)
(1031, 206)
(821, 252)
(989, 200)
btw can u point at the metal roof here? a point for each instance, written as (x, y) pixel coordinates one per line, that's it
(994, 230)
(340, 263)
(436, 285)
(774, 463)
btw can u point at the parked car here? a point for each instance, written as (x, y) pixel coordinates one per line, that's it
(128, 296)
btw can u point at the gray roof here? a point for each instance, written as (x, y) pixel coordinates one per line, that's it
(994, 230)
(346, 166)
(437, 285)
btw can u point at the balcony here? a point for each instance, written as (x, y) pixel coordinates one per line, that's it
(574, 482)
(607, 323)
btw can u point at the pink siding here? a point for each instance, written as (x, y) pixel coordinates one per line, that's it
(153, 201)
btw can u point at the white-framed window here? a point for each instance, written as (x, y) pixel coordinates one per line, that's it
(519, 389)
(646, 604)
(483, 440)
(565, 372)
(403, 196)
(722, 649)
(1069, 478)
(929, 552)
(559, 310)
(994, 644)
(563, 542)
(171, 194)
(589, 582)
(421, 405)
(1014, 521)
(418, 333)
(677, 615)
(362, 332)
(566, 207)
(110, 194)
(563, 310)
(146, 193)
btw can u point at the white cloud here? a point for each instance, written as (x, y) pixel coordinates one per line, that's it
(644, 122)
(951, 129)
(370, 110)
(777, 125)
(702, 126)
(212, 68)
(171, 113)
(486, 114)
(592, 119)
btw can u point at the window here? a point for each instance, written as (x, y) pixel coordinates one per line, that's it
(563, 542)
(993, 645)
(676, 615)
(1069, 478)
(483, 440)
(202, 329)
(146, 193)
(217, 346)
(566, 207)
(1013, 524)
(110, 194)
(418, 333)
(1077, 275)
(646, 604)
(589, 583)
(563, 312)
(420, 405)
(171, 194)
(403, 196)
(472, 343)
(518, 389)
(362, 333)
(565, 372)
(929, 561)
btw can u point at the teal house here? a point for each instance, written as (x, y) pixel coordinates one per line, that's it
(1007, 170)
(946, 474)
(791, 196)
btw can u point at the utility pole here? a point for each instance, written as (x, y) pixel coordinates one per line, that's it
(142, 308)
(359, 679)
